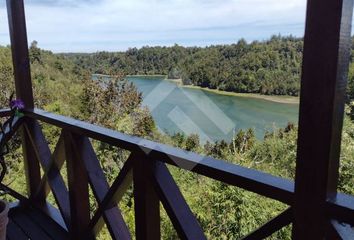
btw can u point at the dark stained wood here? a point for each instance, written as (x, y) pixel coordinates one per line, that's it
(341, 230)
(342, 208)
(14, 232)
(53, 230)
(275, 224)
(324, 76)
(23, 85)
(17, 122)
(318, 209)
(32, 168)
(29, 223)
(51, 171)
(31, 229)
(250, 179)
(14, 194)
(54, 214)
(99, 185)
(261, 183)
(176, 207)
(19, 47)
(146, 201)
(116, 191)
(78, 191)
(332, 232)
(5, 112)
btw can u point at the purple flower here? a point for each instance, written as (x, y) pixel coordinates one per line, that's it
(17, 104)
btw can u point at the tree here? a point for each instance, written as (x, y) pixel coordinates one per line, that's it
(35, 53)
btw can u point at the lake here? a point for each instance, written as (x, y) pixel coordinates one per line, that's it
(212, 116)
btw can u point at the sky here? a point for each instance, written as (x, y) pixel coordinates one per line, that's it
(116, 25)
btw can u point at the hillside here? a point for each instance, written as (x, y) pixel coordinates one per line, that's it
(63, 84)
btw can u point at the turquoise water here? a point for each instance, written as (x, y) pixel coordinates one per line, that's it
(212, 116)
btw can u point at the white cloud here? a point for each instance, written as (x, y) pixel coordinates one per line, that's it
(68, 25)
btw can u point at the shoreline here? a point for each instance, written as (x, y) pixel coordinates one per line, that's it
(272, 98)
(148, 76)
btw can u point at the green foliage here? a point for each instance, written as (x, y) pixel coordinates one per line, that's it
(217, 149)
(269, 67)
(232, 213)
(6, 75)
(35, 53)
(192, 142)
(243, 141)
(346, 176)
(63, 84)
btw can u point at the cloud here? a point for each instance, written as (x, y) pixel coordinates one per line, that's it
(91, 25)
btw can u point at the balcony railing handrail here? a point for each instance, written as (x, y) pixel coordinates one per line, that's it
(277, 188)
(313, 198)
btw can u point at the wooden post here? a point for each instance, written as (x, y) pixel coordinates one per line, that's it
(147, 204)
(324, 77)
(19, 47)
(78, 189)
(21, 64)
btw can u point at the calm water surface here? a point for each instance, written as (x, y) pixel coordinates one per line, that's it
(212, 116)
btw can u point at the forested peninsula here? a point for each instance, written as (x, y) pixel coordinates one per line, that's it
(270, 67)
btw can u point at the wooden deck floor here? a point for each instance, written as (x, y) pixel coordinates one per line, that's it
(27, 223)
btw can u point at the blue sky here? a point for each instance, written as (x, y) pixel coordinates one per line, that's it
(112, 25)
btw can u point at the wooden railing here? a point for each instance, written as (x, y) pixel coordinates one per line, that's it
(316, 209)
(152, 181)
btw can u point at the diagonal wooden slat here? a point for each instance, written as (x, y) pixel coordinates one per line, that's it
(32, 166)
(16, 123)
(14, 194)
(115, 193)
(176, 207)
(275, 224)
(52, 173)
(252, 180)
(54, 167)
(113, 217)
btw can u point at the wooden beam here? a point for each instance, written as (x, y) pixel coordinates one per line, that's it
(342, 208)
(341, 231)
(23, 85)
(100, 188)
(175, 205)
(275, 224)
(115, 193)
(31, 164)
(19, 47)
(51, 171)
(147, 204)
(324, 76)
(78, 191)
(5, 112)
(252, 180)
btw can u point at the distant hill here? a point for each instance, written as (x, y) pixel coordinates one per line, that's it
(269, 67)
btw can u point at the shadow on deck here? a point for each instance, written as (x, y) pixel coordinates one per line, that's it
(29, 223)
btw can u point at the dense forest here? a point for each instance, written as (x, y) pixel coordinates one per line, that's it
(62, 84)
(270, 67)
